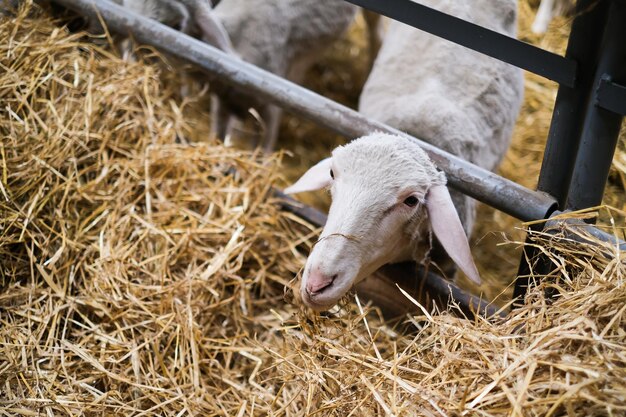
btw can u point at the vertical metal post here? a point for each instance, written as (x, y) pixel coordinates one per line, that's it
(571, 102)
(601, 126)
(567, 124)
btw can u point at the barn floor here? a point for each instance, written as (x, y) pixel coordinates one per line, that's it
(142, 275)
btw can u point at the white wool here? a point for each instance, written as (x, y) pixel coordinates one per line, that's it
(386, 162)
(368, 225)
(370, 173)
(383, 187)
(283, 36)
(457, 99)
(168, 12)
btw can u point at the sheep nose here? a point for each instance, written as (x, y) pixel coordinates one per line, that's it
(319, 281)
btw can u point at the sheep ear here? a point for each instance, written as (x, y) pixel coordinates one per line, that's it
(317, 177)
(449, 230)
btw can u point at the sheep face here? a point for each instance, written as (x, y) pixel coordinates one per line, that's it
(380, 186)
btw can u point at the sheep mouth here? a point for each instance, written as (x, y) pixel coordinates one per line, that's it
(326, 297)
(321, 290)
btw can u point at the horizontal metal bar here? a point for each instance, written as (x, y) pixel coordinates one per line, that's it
(579, 228)
(478, 38)
(310, 214)
(428, 287)
(470, 179)
(611, 96)
(317, 218)
(424, 286)
(382, 287)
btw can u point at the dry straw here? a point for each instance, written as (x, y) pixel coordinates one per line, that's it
(143, 270)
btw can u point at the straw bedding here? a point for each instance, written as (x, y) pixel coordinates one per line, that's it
(144, 270)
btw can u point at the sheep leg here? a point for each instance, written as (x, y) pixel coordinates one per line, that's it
(272, 116)
(543, 17)
(220, 118)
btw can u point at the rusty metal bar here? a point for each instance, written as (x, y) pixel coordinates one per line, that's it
(474, 181)
(577, 229)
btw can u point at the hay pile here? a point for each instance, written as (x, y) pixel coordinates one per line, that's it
(143, 271)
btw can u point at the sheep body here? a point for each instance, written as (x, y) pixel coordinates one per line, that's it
(169, 12)
(281, 36)
(192, 17)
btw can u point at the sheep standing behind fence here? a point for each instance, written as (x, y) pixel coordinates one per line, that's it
(281, 36)
(383, 186)
(284, 37)
(192, 17)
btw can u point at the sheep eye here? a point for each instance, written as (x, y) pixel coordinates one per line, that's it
(332, 174)
(411, 201)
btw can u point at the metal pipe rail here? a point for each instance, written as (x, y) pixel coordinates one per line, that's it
(578, 228)
(474, 181)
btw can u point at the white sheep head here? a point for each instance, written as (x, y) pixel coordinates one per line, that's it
(383, 188)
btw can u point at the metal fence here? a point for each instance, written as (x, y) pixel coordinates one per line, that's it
(590, 103)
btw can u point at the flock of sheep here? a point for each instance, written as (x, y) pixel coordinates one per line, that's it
(387, 194)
